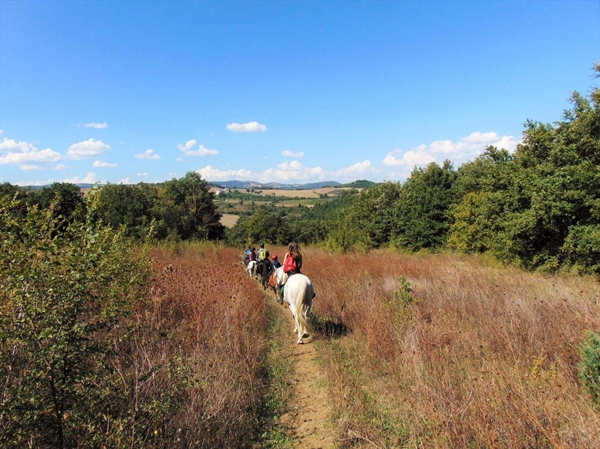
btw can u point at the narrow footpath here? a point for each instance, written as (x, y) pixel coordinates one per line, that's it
(309, 412)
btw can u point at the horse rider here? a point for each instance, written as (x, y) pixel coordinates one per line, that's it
(247, 255)
(292, 263)
(274, 264)
(263, 253)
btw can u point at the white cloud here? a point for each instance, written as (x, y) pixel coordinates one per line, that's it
(142, 174)
(124, 181)
(148, 154)
(90, 178)
(61, 167)
(288, 153)
(188, 150)
(87, 148)
(13, 152)
(214, 174)
(96, 125)
(250, 127)
(35, 183)
(103, 164)
(466, 149)
(419, 157)
(30, 167)
(352, 172)
(292, 171)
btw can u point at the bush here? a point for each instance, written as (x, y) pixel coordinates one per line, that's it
(589, 367)
(66, 296)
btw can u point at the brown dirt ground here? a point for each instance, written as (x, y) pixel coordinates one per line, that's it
(309, 412)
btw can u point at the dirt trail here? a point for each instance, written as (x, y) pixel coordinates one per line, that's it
(309, 411)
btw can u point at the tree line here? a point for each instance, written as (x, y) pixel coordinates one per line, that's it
(179, 209)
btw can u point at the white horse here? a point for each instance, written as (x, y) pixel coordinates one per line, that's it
(251, 267)
(281, 277)
(299, 294)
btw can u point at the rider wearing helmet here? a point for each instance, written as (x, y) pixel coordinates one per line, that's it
(274, 264)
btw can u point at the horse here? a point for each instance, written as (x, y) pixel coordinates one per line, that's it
(251, 267)
(263, 268)
(273, 283)
(299, 294)
(277, 279)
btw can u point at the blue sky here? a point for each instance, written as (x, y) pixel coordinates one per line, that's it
(282, 91)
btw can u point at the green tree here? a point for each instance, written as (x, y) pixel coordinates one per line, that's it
(540, 207)
(422, 214)
(265, 224)
(65, 295)
(129, 206)
(190, 200)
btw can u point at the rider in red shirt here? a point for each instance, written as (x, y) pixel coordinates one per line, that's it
(293, 260)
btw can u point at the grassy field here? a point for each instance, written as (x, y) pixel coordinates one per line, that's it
(418, 351)
(440, 351)
(445, 351)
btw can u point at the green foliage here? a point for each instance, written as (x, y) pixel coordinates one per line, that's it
(192, 203)
(402, 305)
(367, 221)
(343, 234)
(422, 210)
(539, 208)
(589, 367)
(266, 224)
(66, 295)
(581, 249)
(128, 206)
(179, 209)
(70, 204)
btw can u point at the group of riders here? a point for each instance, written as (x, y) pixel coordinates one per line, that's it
(292, 261)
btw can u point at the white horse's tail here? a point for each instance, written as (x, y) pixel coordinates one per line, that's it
(301, 312)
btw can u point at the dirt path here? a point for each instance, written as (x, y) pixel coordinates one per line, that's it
(309, 412)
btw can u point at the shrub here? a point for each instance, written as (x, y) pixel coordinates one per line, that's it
(66, 296)
(589, 367)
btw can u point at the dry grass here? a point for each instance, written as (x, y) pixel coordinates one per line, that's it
(486, 357)
(211, 320)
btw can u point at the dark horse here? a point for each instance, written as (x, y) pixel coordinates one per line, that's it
(262, 268)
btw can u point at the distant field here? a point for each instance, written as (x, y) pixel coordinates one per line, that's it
(229, 220)
(313, 193)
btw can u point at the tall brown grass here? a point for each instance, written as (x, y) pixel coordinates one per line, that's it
(207, 323)
(471, 355)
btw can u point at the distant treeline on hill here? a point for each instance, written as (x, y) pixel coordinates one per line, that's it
(359, 184)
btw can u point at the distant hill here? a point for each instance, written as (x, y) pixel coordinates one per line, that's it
(360, 184)
(274, 185)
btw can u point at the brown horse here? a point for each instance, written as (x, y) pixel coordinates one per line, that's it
(274, 286)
